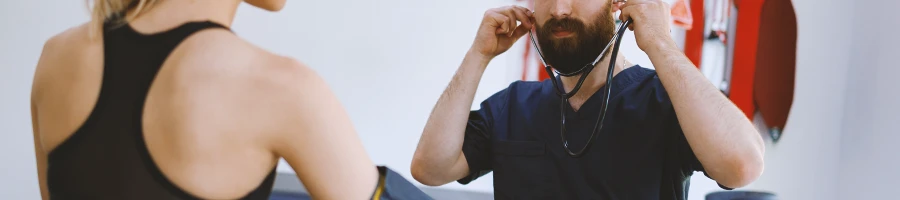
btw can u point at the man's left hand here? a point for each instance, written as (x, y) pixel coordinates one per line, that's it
(651, 23)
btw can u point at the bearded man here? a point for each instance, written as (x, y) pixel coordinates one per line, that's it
(662, 125)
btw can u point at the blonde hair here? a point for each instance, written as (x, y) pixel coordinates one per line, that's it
(104, 10)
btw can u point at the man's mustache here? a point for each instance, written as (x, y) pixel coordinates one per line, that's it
(568, 24)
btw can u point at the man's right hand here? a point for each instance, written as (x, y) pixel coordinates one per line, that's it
(499, 30)
(439, 158)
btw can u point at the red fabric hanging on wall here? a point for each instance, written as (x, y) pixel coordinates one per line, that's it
(776, 63)
(743, 70)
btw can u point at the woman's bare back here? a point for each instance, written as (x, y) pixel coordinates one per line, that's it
(217, 117)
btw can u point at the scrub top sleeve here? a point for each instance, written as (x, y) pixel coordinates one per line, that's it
(477, 142)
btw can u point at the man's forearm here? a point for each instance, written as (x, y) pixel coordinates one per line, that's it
(722, 138)
(437, 156)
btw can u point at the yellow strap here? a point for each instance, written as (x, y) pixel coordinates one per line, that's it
(380, 188)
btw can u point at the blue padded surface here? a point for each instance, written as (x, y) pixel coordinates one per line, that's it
(288, 196)
(740, 195)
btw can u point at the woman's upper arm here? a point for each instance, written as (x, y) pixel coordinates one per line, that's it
(318, 139)
(39, 155)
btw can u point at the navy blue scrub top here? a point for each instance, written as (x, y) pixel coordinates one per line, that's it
(641, 152)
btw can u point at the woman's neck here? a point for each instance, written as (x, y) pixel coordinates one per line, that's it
(168, 14)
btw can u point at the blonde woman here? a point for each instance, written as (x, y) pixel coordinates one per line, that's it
(158, 99)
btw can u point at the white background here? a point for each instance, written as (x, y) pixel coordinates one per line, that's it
(389, 60)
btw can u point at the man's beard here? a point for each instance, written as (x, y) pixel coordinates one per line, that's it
(571, 54)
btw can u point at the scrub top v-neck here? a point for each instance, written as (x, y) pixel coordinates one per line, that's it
(641, 152)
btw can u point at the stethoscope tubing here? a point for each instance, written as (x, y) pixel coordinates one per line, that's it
(614, 42)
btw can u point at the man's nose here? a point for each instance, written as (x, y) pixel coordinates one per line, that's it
(562, 9)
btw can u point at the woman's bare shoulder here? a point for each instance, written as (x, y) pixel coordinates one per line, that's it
(69, 56)
(240, 75)
(222, 50)
(72, 44)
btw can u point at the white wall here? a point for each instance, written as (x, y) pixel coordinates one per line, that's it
(870, 155)
(387, 61)
(390, 69)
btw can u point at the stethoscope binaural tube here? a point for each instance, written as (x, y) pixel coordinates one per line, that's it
(586, 70)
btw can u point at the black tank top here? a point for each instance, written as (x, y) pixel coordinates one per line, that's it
(106, 158)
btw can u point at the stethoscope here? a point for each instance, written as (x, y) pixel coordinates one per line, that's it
(616, 39)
